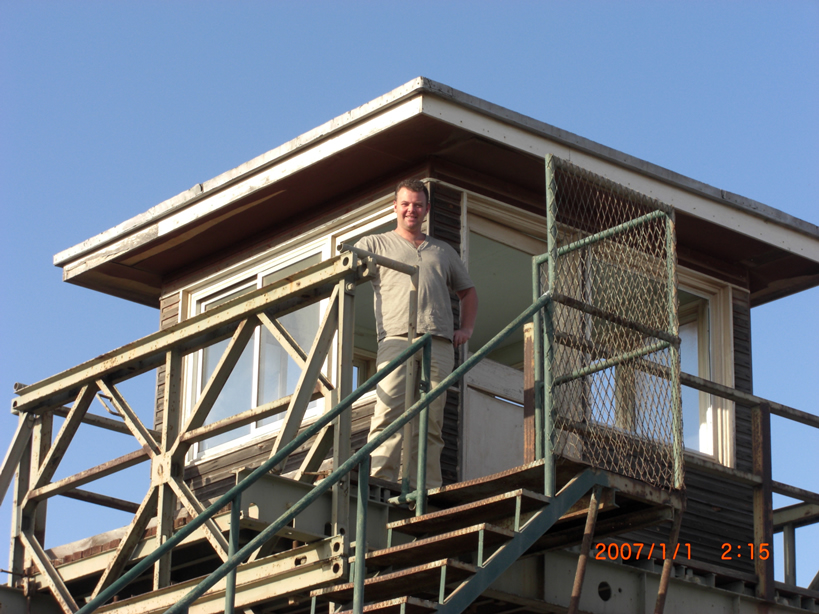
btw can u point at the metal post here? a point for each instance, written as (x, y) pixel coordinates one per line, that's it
(423, 430)
(360, 570)
(412, 324)
(763, 505)
(674, 352)
(538, 361)
(17, 554)
(233, 547)
(668, 563)
(40, 444)
(588, 535)
(549, 480)
(789, 548)
(343, 424)
(166, 503)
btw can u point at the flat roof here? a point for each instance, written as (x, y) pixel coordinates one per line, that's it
(417, 121)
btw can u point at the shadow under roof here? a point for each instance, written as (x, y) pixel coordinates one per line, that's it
(423, 124)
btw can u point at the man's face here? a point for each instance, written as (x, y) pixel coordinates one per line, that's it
(410, 210)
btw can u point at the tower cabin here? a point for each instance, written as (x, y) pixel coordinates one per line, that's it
(604, 449)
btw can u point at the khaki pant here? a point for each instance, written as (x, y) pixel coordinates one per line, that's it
(386, 459)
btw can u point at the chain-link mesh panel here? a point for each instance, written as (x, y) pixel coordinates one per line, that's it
(615, 358)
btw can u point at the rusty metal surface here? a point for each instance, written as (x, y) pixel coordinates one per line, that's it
(528, 476)
(412, 605)
(308, 286)
(763, 506)
(453, 543)
(421, 581)
(263, 580)
(89, 475)
(605, 527)
(492, 508)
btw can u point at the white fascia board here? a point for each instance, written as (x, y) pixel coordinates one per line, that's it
(743, 215)
(214, 199)
(202, 190)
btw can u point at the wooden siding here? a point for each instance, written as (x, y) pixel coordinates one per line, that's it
(743, 376)
(168, 316)
(720, 510)
(445, 224)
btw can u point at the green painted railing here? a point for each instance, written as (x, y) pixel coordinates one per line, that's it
(360, 458)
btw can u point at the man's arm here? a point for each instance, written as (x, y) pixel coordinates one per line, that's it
(469, 312)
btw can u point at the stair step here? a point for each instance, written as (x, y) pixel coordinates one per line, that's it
(449, 544)
(419, 581)
(411, 605)
(485, 510)
(528, 476)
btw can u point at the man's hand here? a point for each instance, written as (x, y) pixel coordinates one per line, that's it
(461, 336)
(469, 312)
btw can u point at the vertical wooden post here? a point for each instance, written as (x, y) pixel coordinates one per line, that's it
(763, 504)
(163, 464)
(528, 393)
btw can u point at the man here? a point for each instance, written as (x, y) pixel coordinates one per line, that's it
(440, 270)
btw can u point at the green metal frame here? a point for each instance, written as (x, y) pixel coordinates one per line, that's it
(542, 312)
(340, 472)
(544, 329)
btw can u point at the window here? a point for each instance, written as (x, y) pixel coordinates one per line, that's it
(502, 233)
(706, 350)
(265, 371)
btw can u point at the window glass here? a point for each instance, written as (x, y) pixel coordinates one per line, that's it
(493, 265)
(698, 427)
(278, 372)
(265, 371)
(235, 397)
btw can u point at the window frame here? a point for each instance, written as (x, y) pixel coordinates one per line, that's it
(324, 240)
(718, 293)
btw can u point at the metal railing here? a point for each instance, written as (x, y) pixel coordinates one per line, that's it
(360, 459)
(767, 520)
(606, 351)
(236, 321)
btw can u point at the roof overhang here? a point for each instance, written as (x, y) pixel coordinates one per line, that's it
(419, 123)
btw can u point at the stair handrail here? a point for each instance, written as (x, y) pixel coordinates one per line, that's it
(354, 460)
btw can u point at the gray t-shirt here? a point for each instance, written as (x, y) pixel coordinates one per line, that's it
(440, 270)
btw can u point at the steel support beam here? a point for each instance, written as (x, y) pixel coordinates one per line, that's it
(763, 507)
(302, 288)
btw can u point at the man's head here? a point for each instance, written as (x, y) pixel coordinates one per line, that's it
(411, 206)
(413, 185)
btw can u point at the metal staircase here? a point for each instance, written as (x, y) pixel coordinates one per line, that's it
(481, 529)
(591, 355)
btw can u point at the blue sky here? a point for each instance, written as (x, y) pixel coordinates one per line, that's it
(108, 108)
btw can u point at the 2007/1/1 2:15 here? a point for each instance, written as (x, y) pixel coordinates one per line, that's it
(627, 551)
(763, 551)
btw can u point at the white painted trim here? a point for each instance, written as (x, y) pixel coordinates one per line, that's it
(721, 337)
(217, 199)
(758, 226)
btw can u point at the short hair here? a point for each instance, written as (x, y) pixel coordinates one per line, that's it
(413, 185)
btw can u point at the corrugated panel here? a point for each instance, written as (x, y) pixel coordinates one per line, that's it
(743, 377)
(445, 224)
